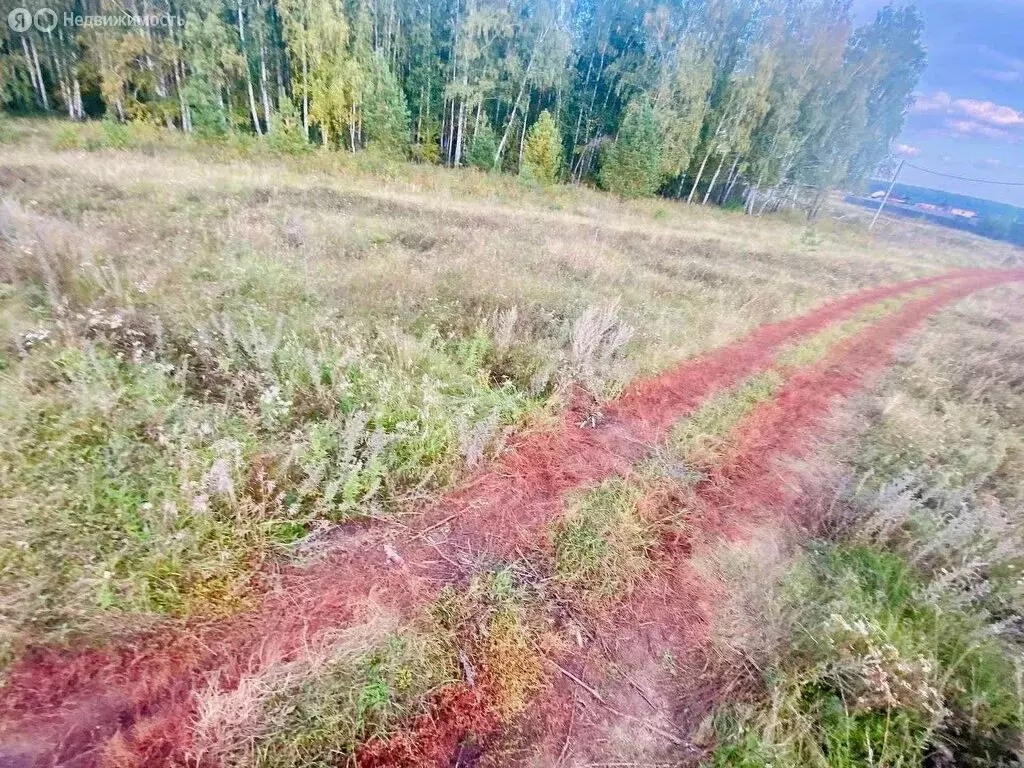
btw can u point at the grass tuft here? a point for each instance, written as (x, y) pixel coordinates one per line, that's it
(601, 543)
(876, 676)
(351, 687)
(700, 441)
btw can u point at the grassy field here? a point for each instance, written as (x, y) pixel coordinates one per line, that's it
(894, 639)
(213, 355)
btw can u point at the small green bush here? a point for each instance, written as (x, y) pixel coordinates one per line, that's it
(631, 165)
(542, 155)
(877, 675)
(321, 717)
(114, 135)
(483, 147)
(286, 135)
(386, 117)
(68, 137)
(601, 545)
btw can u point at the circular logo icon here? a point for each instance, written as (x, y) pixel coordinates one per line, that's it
(19, 19)
(46, 19)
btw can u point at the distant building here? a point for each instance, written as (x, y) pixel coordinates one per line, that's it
(964, 212)
(880, 194)
(928, 207)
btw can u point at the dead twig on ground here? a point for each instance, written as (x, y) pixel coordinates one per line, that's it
(568, 733)
(638, 720)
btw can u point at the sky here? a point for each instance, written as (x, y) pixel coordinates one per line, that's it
(968, 119)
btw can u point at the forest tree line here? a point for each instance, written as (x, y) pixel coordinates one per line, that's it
(687, 98)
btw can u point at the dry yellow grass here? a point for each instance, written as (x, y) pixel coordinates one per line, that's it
(425, 243)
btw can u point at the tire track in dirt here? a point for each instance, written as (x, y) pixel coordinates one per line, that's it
(60, 707)
(674, 611)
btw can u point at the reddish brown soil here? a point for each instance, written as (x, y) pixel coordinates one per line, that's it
(437, 736)
(131, 705)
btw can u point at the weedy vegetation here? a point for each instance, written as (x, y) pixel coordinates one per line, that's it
(213, 352)
(897, 640)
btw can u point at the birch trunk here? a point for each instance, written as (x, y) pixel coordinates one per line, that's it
(65, 87)
(579, 117)
(519, 96)
(714, 179)
(458, 138)
(263, 87)
(731, 180)
(77, 96)
(700, 175)
(753, 193)
(39, 75)
(679, 189)
(31, 69)
(714, 137)
(352, 129)
(305, 89)
(248, 74)
(264, 93)
(522, 136)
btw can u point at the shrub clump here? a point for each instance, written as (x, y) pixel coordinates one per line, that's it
(631, 165)
(878, 675)
(601, 544)
(542, 155)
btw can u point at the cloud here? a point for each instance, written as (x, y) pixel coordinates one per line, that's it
(971, 117)
(936, 102)
(906, 150)
(991, 113)
(1002, 68)
(974, 128)
(1000, 75)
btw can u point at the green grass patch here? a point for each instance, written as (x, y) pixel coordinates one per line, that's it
(814, 349)
(320, 718)
(118, 496)
(700, 440)
(151, 475)
(875, 674)
(601, 544)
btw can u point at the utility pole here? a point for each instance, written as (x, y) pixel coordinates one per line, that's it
(888, 192)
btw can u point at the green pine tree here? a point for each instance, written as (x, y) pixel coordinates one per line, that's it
(631, 166)
(484, 146)
(385, 116)
(542, 156)
(286, 133)
(208, 118)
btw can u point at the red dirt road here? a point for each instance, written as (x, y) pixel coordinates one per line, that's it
(754, 485)
(131, 705)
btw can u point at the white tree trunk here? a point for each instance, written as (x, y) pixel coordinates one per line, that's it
(519, 96)
(31, 68)
(248, 74)
(76, 95)
(39, 75)
(458, 137)
(305, 89)
(264, 91)
(522, 135)
(700, 175)
(733, 176)
(714, 179)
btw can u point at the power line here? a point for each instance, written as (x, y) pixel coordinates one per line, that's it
(965, 178)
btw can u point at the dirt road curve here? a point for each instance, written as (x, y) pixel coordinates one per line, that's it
(135, 701)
